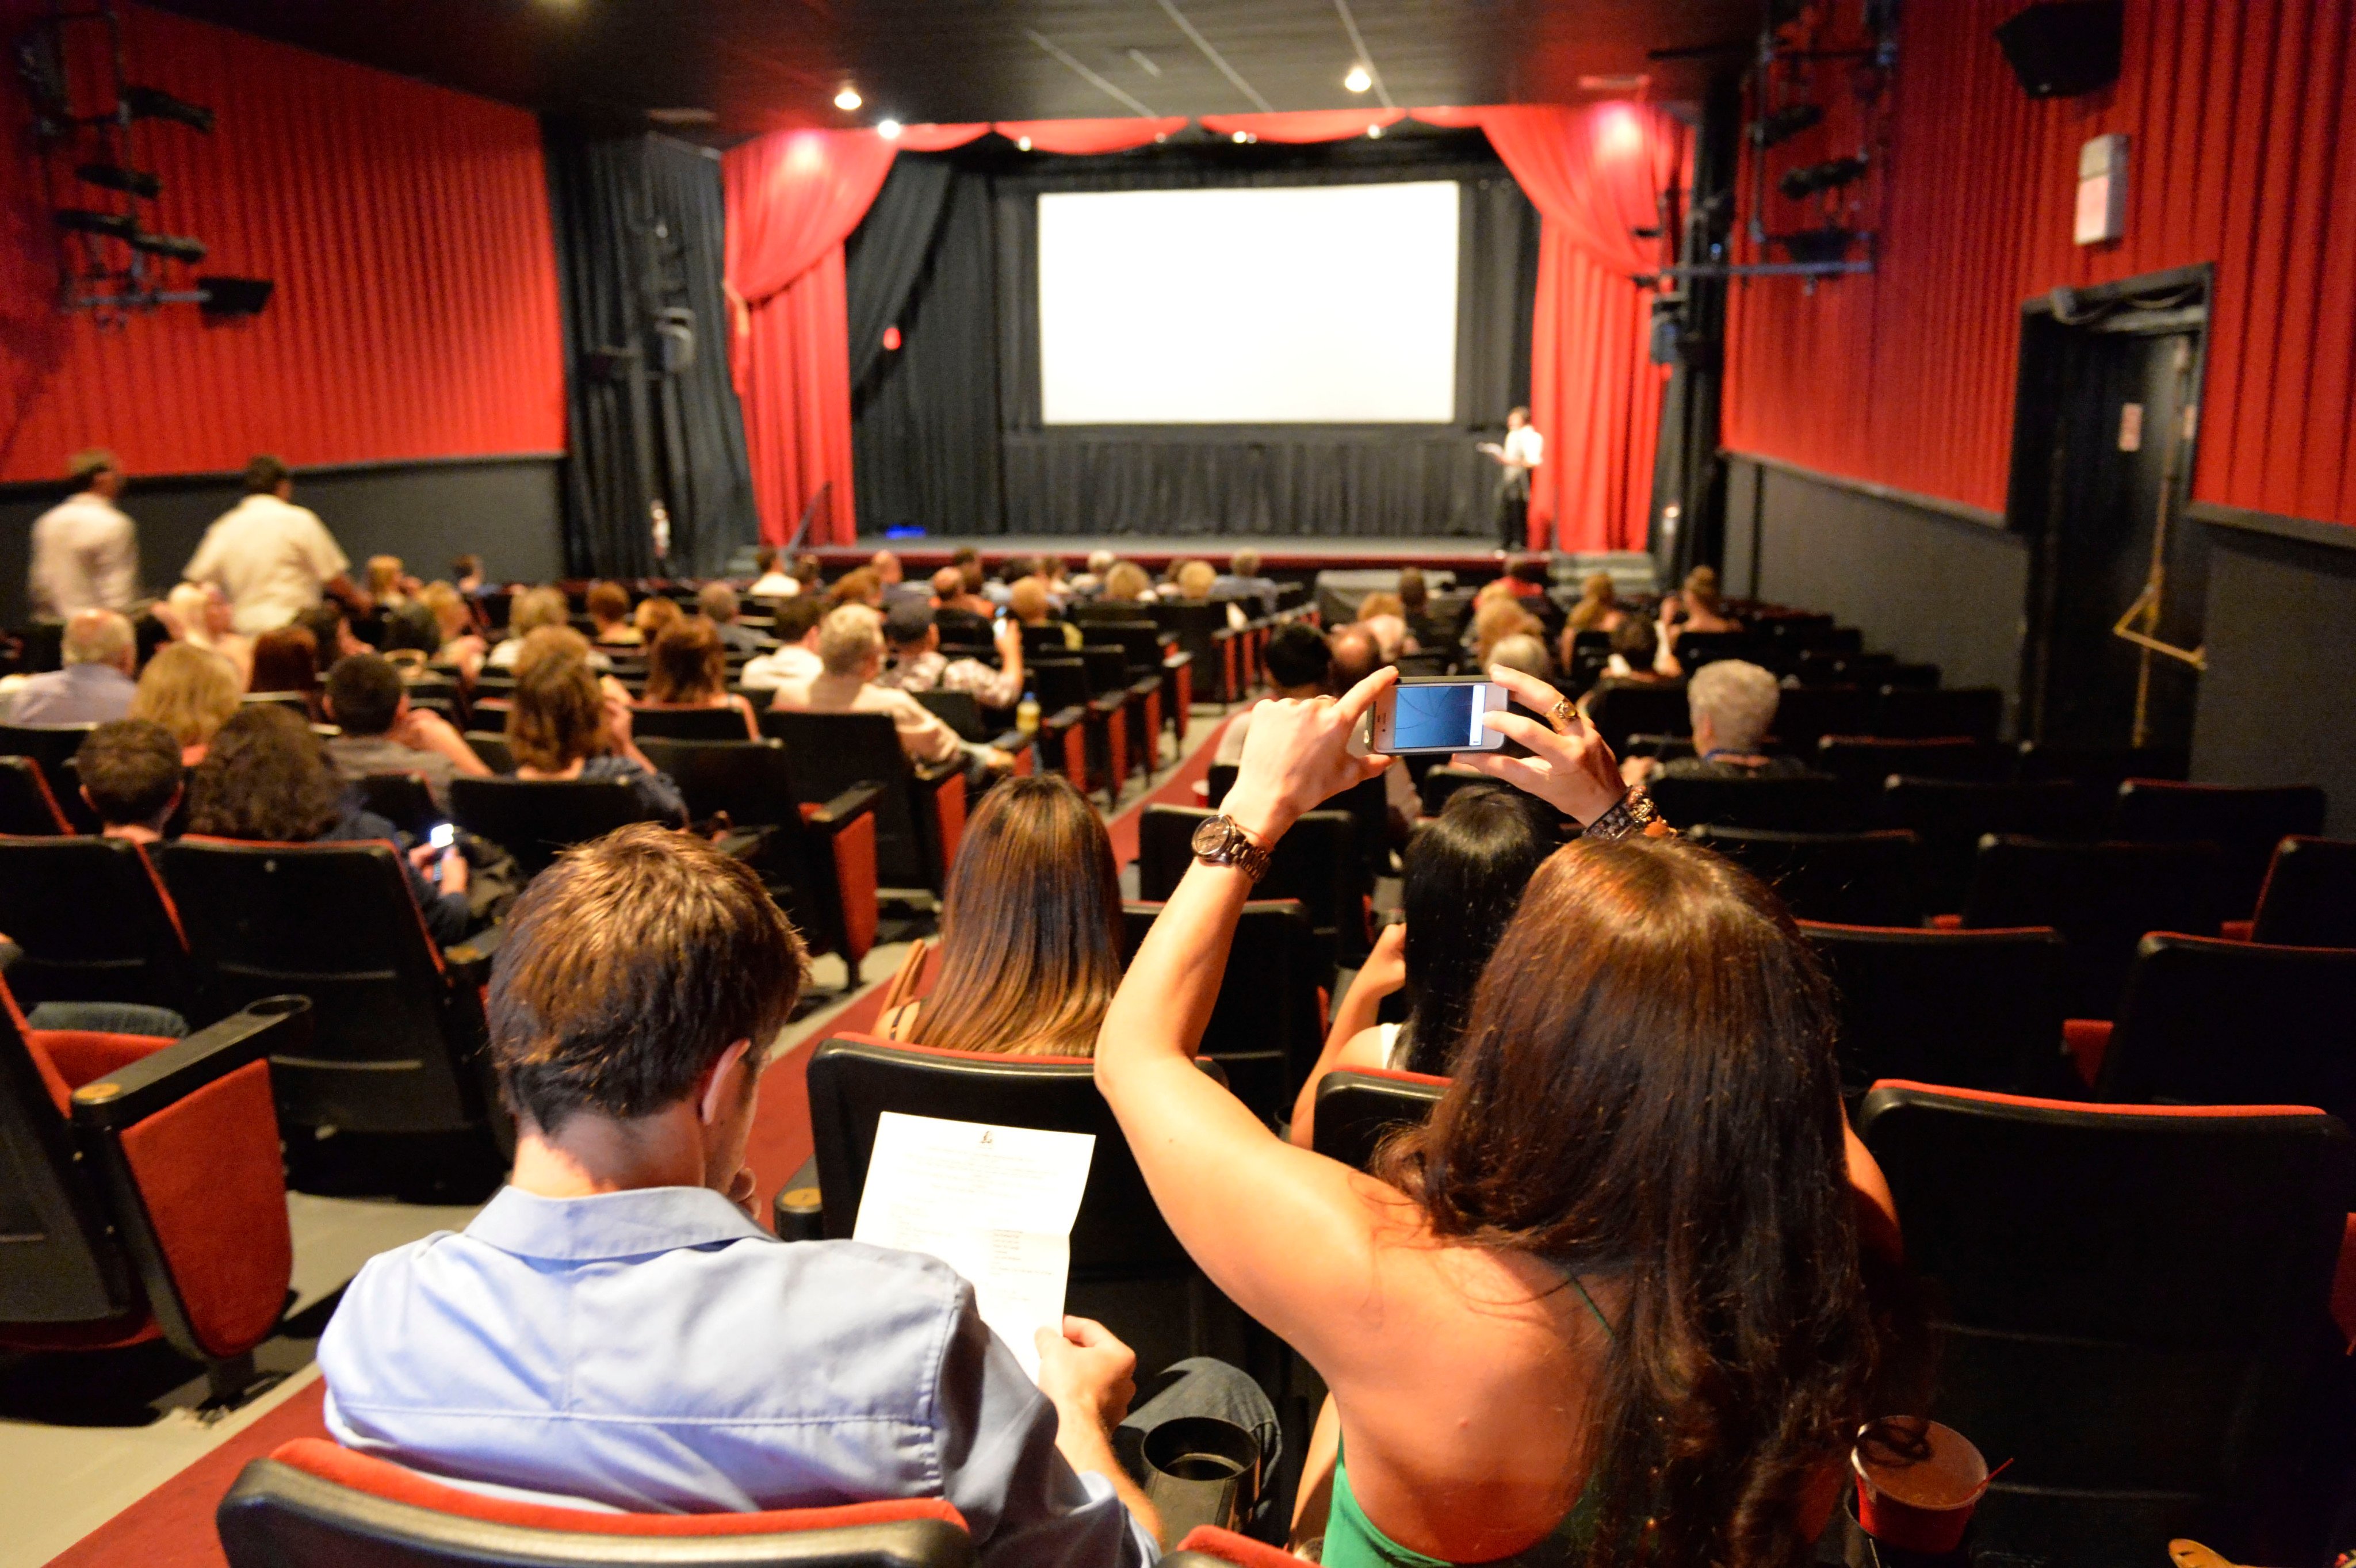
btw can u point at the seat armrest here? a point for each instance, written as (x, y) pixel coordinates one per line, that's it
(1064, 718)
(845, 808)
(272, 1026)
(796, 1214)
(933, 774)
(1110, 703)
(470, 960)
(743, 843)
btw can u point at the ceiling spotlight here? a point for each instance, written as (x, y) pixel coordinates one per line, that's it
(888, 129)
(135, 182)
(1023, 144)
(1240, 138)
(1358, 80)
(154, 103)
(848, 99)
(1374, 133)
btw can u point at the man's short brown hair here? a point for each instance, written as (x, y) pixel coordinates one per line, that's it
(130, 769)
(628, 967)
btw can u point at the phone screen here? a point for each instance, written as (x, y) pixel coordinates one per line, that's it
(442, 835)
(1438, 717)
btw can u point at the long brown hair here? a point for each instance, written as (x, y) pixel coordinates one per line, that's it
(1030, 928)
(265, 777)
(688, 663)
(559, 713)
(286, 659)
(1646, 1090)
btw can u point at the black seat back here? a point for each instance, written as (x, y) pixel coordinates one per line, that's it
(403, 799)
(1139, 641)
(1265, 1030)
(396, 1046)
(1805, 714)
(1621, 708)
(958, 711)
(688, 724)
(27, 805)
(2309, 897)
(491, 746)
(1358, 1108)
(751, 781)
(1950, 816)
(2244, 823)
(853, 1081)
(1107, 666)
(1197, 627)
(1806, 803)
(1868, 760)
(832, 752)
(1859, 879)
(1973, 711)
(1695, 649)
(536, 820)
(1316, 862)
(1973, 1009)
(2205, 1022)
(94, 924)
(2102, 897)
(2103, 768)
(2128, 1302)
(53, 747)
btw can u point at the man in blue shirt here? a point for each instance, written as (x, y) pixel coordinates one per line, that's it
(95, 686)
(614, 1327)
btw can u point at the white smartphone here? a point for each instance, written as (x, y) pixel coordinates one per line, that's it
(441, 835)
(1427, 713)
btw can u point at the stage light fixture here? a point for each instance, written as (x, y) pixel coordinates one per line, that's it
(178, 247)
(1831, 175)
(1358, 80)
(1374, 133)
(888, 129)
(1023, 144)
(154, 103)
(1784, 123)
(848, 99)
(114, 225)
(1240, 138)
(137, 182)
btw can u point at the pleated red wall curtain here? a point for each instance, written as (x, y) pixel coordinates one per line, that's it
(2237, 155)
(407, 229)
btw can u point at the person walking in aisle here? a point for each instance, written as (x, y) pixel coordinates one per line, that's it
(85, 549)
(273, 559)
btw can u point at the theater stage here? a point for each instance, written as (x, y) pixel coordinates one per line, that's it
(1290, 553)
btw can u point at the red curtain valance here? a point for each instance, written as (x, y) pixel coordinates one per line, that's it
(1309, 125)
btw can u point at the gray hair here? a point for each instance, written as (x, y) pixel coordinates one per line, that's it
(1523, 652)
(718, 601)
(96, 636)
(1739, 699)
(848, 637)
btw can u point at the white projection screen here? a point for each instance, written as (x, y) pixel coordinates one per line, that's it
(1283, 305)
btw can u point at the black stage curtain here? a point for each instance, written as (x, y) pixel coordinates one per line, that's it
(948, 430)
(638, 233)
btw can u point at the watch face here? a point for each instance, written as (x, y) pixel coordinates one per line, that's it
(1211, 838)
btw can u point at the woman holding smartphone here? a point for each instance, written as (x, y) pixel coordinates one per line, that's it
(1606, 1306)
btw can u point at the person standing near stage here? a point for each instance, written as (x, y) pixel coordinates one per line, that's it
(1523, 450)
(272, 558)
(85, 550)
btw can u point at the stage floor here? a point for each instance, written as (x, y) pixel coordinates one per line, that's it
(1156, 552)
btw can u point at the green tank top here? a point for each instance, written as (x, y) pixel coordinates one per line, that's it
(1352, 1540)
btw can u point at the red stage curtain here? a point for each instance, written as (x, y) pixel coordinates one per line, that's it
(1309, 125)
(1089, 136)
(406, 227)
(938, 138)
(793, 197)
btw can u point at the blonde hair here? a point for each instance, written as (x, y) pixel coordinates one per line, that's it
(1195, 579)
(189, 690)
(559, 712)
(1596, 598)
(655, 613)
(1498, 620)
(384, 574)
(848, 637)
(449, 608)
(1126, 580)
(535, 609)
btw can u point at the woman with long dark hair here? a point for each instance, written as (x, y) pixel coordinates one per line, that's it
(1463, 874)
(1606, 1307)
(1029, 951)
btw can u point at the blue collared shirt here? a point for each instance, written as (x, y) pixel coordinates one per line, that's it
(77, 694)
(653, 1350)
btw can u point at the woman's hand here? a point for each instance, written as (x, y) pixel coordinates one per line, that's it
(1385, 969)
(1571, 769)
(1297, 756)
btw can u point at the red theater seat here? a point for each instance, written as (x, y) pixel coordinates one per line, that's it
(312, 1502)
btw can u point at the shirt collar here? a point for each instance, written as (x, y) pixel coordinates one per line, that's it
(635, 1223)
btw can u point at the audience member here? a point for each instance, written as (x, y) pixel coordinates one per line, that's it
(569, 722)
(287, 660)
(608, 608)
(773, 582)
(272, 558)
(466, 577)
(330, 625)
(919, 665)
(1691, 1397)
(267, 779)
(132, 776)
(85, 549)
(456, 639)
(531, 610)
(1639, 654)
(1464, 873)
(1500, 617)
(1031, 936)
(95, 685)
(387, 585)
(1733, 707)
(796, 655)
(1091, 582)
(1430, 633)
(616, 1327)
(411, 635)
(1598, 609)
(191, 691)
(1299, 665)
(382, 733)
(1195, 582)
(688, 668)
(1525, 652)
(716, 602)
(859, 586)
(1029, 605)
(1385, 618)
(655, 614)
(199, 616)
(1698, 608)
(1242, 580)
(1126, 583)
(809, 571)
(851, 656)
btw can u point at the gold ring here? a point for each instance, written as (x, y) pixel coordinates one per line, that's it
(1561, 715)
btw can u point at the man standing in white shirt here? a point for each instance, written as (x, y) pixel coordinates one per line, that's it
(272, 558)
(85, 550)
(1525, 450)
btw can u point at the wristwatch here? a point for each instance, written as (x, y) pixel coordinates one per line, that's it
(1219, 842)
(1633, 814)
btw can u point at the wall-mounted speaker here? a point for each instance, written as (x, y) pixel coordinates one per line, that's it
(2064, 47)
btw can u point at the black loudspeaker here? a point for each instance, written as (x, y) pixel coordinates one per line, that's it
(2062, 49)
(233, 296)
